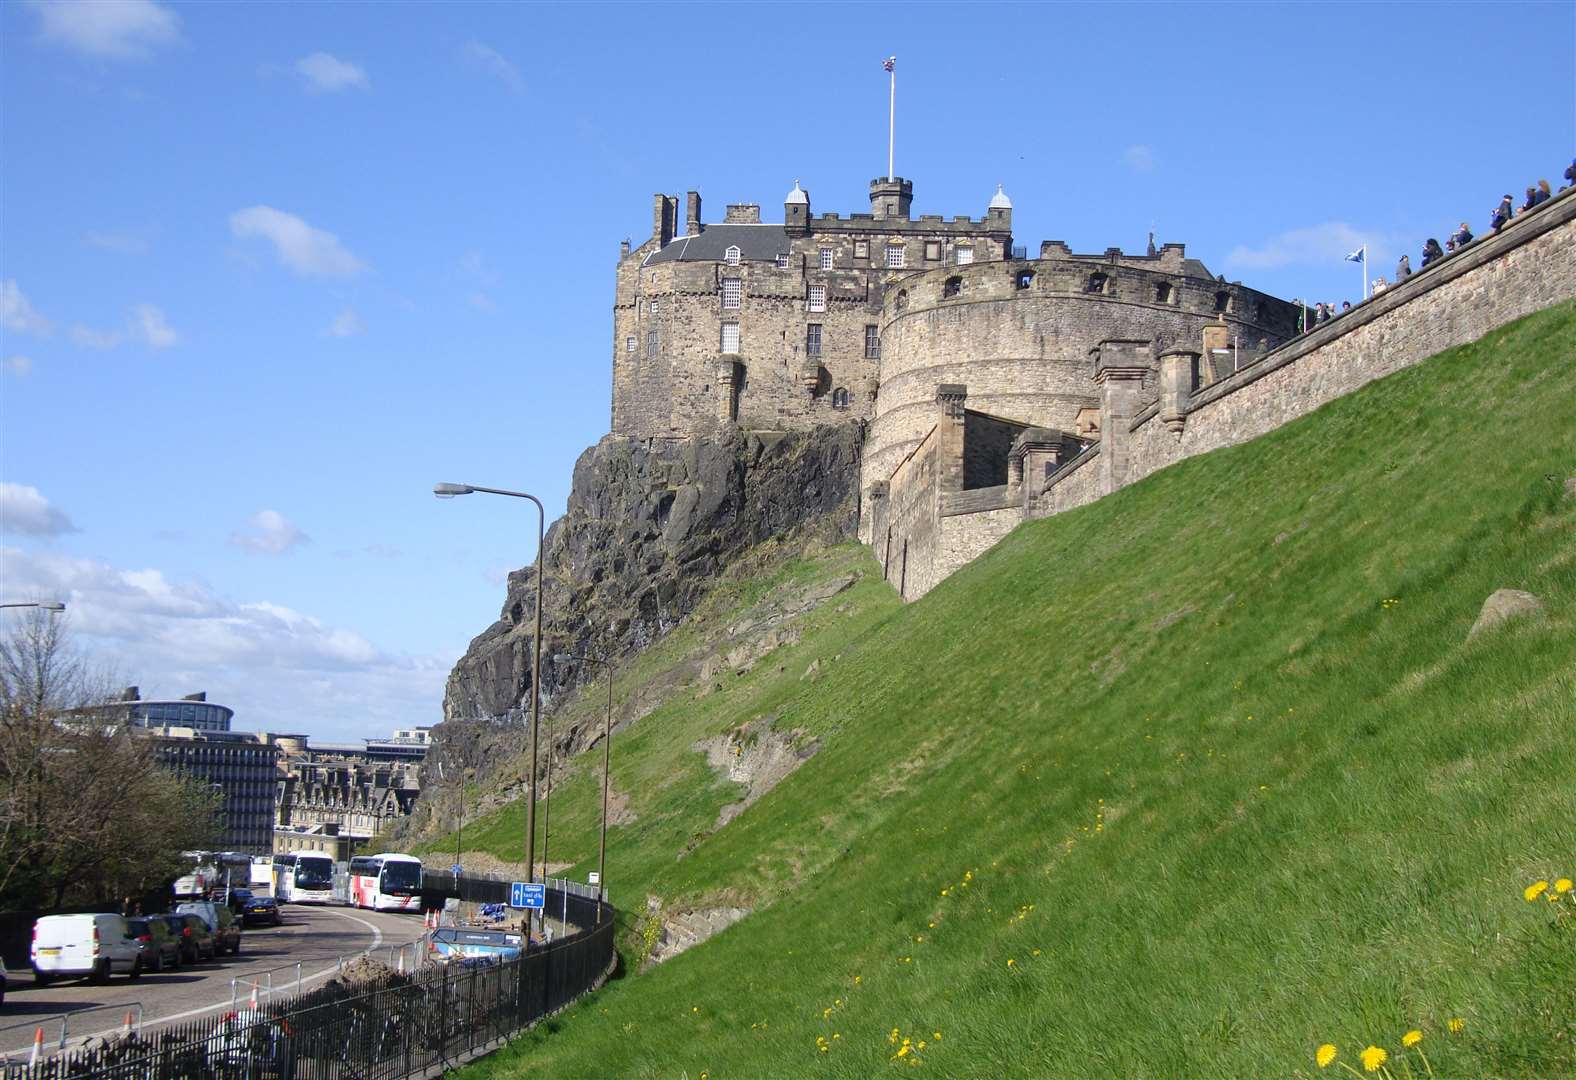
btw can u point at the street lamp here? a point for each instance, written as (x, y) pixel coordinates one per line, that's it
(448, 491)
(607, 753)
(47, 605)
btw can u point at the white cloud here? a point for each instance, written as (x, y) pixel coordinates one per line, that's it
(17, 314)
(325, 73)
(271, 533)
(116, 29)
(1139, 158)
(123, 243)
(20, 366)
(346, 324)
(1325, 244)
(23, 509)
(300, 246)
(282, 669)
(146, 326)
(495, 64)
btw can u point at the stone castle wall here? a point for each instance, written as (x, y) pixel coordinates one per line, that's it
(1018, 333)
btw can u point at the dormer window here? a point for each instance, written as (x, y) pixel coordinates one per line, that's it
(965, 255)
(732, 255)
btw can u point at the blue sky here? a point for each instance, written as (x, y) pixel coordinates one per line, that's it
(272, 270)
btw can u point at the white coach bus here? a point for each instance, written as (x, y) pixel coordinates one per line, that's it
(386, 882)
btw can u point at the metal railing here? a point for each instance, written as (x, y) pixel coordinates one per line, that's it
(393, 1026)
(35, 1038)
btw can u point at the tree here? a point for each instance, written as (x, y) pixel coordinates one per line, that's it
(87, 813)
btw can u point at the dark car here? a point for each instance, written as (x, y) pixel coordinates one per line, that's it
(160, 948)
(197, 942)
(253, 908)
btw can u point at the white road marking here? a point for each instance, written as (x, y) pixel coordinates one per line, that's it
(159, 1021)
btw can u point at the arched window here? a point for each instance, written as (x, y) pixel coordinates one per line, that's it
(840, 398)
(731, 256)
(1096, 283)
(902, 299)
(1023, 278)
(1163, 293)
(1222, 300)
(952, 287)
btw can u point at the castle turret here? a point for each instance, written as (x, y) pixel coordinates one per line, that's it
(891, 197)
(999, 213)
(796, 211)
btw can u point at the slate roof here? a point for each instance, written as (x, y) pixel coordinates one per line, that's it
(757, 243)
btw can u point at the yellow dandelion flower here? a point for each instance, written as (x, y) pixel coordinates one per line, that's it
(1373, 1057)
(1010, 963)
(936, 1035)
(1456, 1024)
(838, 1003)
(919, 938)
(837, 1034)
(826, 1012)
(1034, 952)
(892, 1038)
(1562, 886)
(921, 1044)
(1324, 1055)
(694, 1008)
(902, 1051)
(858, 979)
(1412, 1038)
(944, 892)
(1535, 890)
(824, 1049)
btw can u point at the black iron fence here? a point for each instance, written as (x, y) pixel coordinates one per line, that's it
(395, 1025)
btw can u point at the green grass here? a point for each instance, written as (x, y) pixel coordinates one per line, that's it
(1165, 785)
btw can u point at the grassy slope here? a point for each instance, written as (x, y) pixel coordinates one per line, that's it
(1164, 785)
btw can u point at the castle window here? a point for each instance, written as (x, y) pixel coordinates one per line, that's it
(952, 287)
(840, 398)
(965, 255)
(782, 260)
(651, 345)
(653, 306)
(826, 258)
(817, 297)
(1096, 283)
(732, 293)
(629, 343)
(932, 250)
(1023, 278)
(861, 249)
(1163, 293)
(730, 337)
(894, 256)
(902, 299)
(872, 343)
(731, 256)
(1223, 301)
(812, 339)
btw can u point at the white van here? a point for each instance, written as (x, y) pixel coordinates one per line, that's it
(71, 946)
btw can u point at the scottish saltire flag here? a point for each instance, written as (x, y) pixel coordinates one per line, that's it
(1359, 255)
(889, 63)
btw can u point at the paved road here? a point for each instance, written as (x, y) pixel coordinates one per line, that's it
(312, 936)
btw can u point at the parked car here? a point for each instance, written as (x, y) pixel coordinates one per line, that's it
(196, 939)
(254, 907)
(221, 923)
(160, 949)
(73, 946)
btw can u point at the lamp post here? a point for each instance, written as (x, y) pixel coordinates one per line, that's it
(448, 491)
(47, 605)
(607, 754)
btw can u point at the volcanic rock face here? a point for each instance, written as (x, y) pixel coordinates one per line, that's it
(648, 530)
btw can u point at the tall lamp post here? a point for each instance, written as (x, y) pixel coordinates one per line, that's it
(47, 605)
(607, 753)
(448, 491)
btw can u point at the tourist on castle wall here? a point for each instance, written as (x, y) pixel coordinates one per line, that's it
(1501, 214)
(1380, 285)
(1570, 174)
(1403, 269)
(1431, 252)
(1346, 305)
(1532, 198)
(1544, 194)
(1463, 236)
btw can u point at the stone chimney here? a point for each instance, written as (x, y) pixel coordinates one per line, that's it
(741, 213)
(664, 214)
(692, 214)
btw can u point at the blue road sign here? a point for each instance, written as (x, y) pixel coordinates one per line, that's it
(523, 894)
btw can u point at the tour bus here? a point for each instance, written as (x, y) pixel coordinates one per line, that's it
(262, 875)
(200, 878)
(303, 878)
(386, 882)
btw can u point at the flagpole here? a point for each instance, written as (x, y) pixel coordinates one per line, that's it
(891, 118)
(1365, 271)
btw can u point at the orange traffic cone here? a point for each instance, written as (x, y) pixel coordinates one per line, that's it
(125, 1028)
(253, 1003)
(38, 1048)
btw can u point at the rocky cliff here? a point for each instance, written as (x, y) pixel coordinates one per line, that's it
(649, 528)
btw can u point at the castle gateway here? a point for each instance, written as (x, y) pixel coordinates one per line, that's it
(970, 362)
